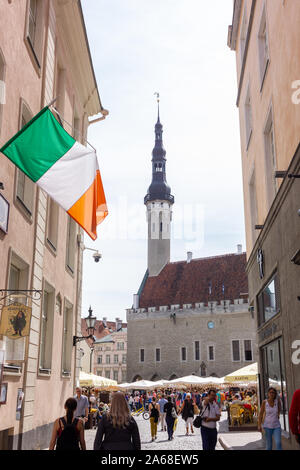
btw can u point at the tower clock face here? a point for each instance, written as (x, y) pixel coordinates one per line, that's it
(210, 325)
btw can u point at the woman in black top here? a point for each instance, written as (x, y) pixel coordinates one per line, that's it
(118, 427)
(187, 413)
(169, 418)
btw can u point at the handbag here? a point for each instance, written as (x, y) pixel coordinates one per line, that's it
(197, 423)
(173, 413)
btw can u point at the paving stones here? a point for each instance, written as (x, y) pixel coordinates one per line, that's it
(180, 441)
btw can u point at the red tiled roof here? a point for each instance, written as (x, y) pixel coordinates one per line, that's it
(188, 283)
(100, 330)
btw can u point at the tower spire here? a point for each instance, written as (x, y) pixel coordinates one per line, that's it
(157, 99)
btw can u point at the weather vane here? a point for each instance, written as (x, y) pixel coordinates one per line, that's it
(157, 96)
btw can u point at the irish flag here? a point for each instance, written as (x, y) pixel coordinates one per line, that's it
(62, 167)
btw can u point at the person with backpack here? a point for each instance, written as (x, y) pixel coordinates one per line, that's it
(68, 431)
(154, 416)
(117, 429)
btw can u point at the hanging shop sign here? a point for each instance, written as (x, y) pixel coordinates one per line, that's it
(15, 321)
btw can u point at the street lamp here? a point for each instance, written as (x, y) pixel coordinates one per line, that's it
(90, 321)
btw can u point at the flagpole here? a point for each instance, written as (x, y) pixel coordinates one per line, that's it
(51, 103)
(72, 127)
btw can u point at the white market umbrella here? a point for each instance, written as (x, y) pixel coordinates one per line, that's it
(245, 374)
(188, 380)
(140, 385)
(96, 381)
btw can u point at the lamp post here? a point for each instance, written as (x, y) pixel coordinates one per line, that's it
(90, 321)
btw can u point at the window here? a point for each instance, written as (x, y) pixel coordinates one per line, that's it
(120, 346)
(124, 375)
(263, 48)
(142, 355)
(35, 29)
(270, 158)
(253, 206)
(24, 186)
(157, 355)
(99, 360)
(124, 359)
(46, 335)
(116, 375)
(236, 357)
(211, 353)
(52, 223)
(116, 359)
(2, 85)
(77, 134)
(197, 350)
(268, 301)
(67, 339)
(71, 244)
(107, 358)
(243, 34)
(248, 349)
(274, 375)
(60, 90)
(107, 374)
(183, 354)
(18, 279)
(248, 118)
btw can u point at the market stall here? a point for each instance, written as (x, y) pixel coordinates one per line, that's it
(242, 410)
(101, 386)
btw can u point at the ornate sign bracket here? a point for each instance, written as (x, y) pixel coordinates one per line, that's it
(32, 294)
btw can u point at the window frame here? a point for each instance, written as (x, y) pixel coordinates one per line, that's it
(25, 204)
(47, 331)
(186, 354)
(244, 350)
(232, 350)
(263, 47)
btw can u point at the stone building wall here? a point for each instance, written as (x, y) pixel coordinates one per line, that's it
(174, 328)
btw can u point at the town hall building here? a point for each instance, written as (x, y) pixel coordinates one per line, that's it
(188, 317)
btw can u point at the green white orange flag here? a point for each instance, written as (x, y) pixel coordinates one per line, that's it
(65, 169)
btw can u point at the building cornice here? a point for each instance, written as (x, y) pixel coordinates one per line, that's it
(200, 309)
(73, 34)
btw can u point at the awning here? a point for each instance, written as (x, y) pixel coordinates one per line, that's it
(245, 374)
(96, 381)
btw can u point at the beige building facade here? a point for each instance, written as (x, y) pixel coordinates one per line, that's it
(44, 54)
(265, 37)
(110, 356)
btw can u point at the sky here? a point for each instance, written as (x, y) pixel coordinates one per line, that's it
(179, 49)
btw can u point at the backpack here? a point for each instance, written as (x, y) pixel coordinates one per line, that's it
(68, 440)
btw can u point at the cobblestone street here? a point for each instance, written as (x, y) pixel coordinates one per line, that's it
(180, 441)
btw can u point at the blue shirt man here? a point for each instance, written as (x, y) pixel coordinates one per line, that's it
(82, 409)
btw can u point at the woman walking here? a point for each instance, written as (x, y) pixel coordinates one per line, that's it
(68, 431)
(154, 409)
(269, 419)
(171, 414)
(117, 429)
(187, 413)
